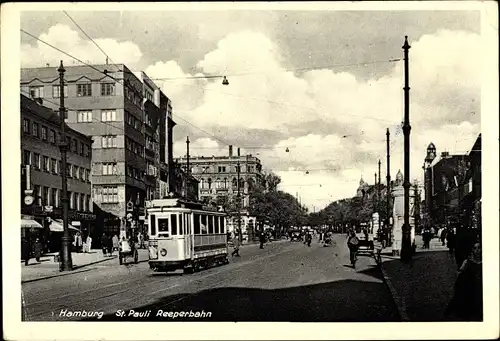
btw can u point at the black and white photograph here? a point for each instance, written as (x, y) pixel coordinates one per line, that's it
(250, 162)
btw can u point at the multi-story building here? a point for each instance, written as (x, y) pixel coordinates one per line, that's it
(127, 116)
(444, 178)
(41, 168)
(218, 178)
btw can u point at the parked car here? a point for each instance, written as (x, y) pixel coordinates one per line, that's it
(296, 236)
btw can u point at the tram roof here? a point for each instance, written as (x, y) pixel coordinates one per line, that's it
(182, 203)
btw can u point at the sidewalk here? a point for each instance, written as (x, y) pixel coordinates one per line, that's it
(48, 268)
(423, 288)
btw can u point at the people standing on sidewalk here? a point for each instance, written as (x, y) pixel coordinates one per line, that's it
(467, 301)
(450, 238)
(104, 244)
(464, 242)
(109, 245)
(25, 250)
(38, 247)
(116, 243)
(236, 245)
(89, 243)
(426, 237)
(443, 236)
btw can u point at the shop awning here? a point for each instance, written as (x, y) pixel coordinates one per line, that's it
(29, 223)
(57, 226)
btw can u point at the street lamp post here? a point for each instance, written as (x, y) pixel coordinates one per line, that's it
(66, 261)
(388, 194)
(406, 249)
(239, 195)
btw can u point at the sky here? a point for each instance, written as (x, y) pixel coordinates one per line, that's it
(324, 85)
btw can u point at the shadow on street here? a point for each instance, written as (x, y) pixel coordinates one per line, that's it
(341, 301)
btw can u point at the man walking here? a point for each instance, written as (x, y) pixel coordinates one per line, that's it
(236, 245)
(262, 239)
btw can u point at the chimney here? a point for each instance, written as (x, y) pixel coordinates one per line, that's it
(230, 151)
(445, 154)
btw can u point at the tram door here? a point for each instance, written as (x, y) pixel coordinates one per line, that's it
(188, 233)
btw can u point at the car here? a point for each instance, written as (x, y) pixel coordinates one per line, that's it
(296, 236)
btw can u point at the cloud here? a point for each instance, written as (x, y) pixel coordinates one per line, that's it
(68, 40)
(333, 123)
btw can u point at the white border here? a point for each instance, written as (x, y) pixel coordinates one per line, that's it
(16, 330)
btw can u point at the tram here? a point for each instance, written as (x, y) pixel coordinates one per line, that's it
(185, 235)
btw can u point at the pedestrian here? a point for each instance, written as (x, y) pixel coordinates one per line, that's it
(450, 238)
(104, 244)
(25, 250)
(443, 236)
(262, 239)
(467, 301)
(236, 246)
(89, 243)
(116, 243)
(464, 242)
(109, 246)
(38, 249)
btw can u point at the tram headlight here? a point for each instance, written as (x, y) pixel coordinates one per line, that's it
(163, 252)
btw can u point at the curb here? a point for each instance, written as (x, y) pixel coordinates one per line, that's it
(76, 270)
(399, 301)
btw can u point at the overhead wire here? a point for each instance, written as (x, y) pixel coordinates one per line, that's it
(92, 40)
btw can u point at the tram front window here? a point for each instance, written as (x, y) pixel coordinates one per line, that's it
(163, 229)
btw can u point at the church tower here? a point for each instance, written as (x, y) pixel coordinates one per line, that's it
(363, 186)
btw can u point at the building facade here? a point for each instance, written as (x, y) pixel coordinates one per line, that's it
(446, 186)
(123, 113)
(218, 183)
(41, 168)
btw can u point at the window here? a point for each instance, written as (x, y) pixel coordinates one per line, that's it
(53, 197)
(52, 136)
(222, 169)
(87, 175)
(163, 227)
(108, 115)
(196, 218)
(77, 201)
(26, 126)
(203, 224)
(84, 90)
(181, 225)
(222, 225)
(74, 145)
(81, 148)
(216, 225)
(46, 164)
(36, 160)
(86, 150)
(71, 201)
(109, 141)
(210, 224)
(69, 170)
(36, 91)
(152, 225)
(82, 201)
(58, 166)
(107, 89)
(110, 194)
(109, 169)
(35, 129)
(37, 190)
(45, 196)
(76, 172)
(82, 174)
(84, 116)
(173, 221)
(53, 166)
(26, 157)
(89, 204)
(56, 91)
(44, 133)
(209, 183)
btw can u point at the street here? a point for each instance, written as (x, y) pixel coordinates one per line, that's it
(283, 282)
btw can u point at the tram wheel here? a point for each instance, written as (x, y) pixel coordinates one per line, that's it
(196, 267)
